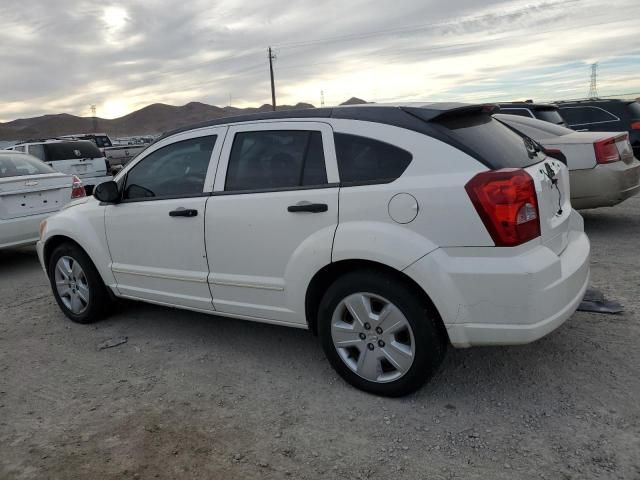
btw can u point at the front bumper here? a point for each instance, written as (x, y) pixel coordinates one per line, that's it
(604, 185)
(40, 250)
(488, 298)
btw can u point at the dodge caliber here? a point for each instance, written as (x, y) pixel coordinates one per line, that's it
(390, 231)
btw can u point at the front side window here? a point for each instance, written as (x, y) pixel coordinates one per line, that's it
(362, 159)
(176, 170)
(273, 159)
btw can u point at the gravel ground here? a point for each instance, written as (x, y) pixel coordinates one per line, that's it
(192, 396)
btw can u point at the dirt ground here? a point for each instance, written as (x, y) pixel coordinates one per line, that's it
(194, 396)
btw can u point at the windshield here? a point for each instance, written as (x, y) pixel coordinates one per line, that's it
(17, 165)
(71, 150)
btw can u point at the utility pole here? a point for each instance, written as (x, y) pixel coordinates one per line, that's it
(593, 86)
(94, 119)
(273, 85)
(322, 98)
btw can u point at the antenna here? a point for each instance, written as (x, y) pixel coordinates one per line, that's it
(94, 119)
(593, 86)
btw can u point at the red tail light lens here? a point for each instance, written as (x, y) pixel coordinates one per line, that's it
(606, 150)
(635, 125)
(507, 203)
(77, 189)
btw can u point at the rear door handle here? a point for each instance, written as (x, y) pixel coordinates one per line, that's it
(309, 207)
(183, 212)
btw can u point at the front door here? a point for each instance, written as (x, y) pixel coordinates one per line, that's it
(271, 219)
(156, 234)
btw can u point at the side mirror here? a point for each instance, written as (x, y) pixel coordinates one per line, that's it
(107, 192)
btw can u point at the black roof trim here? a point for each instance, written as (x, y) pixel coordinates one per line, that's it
(404, 116)
(595, 100)
(531, 105)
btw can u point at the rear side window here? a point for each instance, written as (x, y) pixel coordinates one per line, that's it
(37, 150)
(263, 160)
(102, 141)
(365, 160)
(551, 116)
(521, 112)
(16, 165)
(176, 170)
(586, 115)
(496, 144)
(71, 150)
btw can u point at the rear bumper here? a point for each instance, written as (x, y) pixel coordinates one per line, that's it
(20, 231)
(498, 296)
(604, 185)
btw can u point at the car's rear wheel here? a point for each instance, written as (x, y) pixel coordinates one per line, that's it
(76, 284)
(378, 334)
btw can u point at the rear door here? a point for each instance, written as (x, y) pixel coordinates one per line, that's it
(271, 219)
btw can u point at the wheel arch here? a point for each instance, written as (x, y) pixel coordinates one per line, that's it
(329, 273)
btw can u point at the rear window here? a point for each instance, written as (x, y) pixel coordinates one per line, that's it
(495, 144)
(71, 150)
(521, 112)
(552, 116)
(16, 165)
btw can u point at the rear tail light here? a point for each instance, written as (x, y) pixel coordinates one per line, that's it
(77, 189)
(606, 150)
(507, 203)
(635, 125)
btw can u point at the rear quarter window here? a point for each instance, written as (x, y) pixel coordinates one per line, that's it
(365, 160)
(493, 143)
(71, 150)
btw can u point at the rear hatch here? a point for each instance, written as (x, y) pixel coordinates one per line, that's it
(81, 158)
(473, 130)
(33, 195)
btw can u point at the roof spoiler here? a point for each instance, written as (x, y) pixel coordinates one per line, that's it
(456, 110)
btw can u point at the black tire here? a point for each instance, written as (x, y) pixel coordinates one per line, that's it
(430, 341)
(99, 301)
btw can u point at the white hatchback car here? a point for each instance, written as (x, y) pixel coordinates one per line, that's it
(390, 231)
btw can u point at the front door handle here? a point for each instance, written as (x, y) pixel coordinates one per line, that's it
(183, 212)
(309, 207)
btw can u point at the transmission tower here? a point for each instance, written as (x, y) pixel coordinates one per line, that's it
(94, 119)
(593, 86)
(322, 98)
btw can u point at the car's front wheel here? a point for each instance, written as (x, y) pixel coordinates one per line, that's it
(378, 334)
(76, 284)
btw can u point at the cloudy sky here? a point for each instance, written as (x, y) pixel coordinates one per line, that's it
(64, 55)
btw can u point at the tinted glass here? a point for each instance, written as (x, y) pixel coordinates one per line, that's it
(71, 150)
(102, 141)
(276, 159)
(37, 151)
(19, 148)
(16, 165)
(552, 116)
(362, 159)
(176, 170)
(495, 143)
(634, 109)
(521, 112)
(585, 115)
(541, 128)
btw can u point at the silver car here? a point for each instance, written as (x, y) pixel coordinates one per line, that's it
(602, 169)
(30, 191)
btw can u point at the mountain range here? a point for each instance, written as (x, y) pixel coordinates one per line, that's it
(152, 119)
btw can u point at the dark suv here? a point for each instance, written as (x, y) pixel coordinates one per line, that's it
(541, 111)
(604, 116)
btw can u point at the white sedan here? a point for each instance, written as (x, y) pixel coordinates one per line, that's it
(30, 191)
(603, 170)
